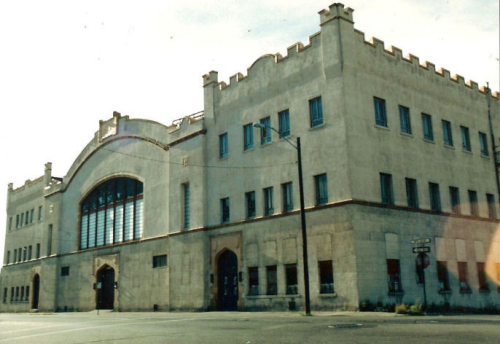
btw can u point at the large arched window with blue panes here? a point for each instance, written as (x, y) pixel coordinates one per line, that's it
(112, 213)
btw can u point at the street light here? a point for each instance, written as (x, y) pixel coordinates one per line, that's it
(302, 216)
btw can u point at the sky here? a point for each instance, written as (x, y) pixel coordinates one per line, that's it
(65, 65)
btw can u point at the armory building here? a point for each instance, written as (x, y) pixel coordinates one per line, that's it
(204, 214)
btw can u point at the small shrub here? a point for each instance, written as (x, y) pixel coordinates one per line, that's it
(415, 309)
(402, 309)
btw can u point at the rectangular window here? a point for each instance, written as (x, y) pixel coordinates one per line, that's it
(268, 201)
(19, 254)
(17, 221)
(37, 251)
(250, 204)
(490, 199)
(465, 138)
(321, 187)
(159, 261)
(316, 111)
(291, 279)
(287, 197)
(21, 298)
(247, 136)
(27, 297)
(386, 188)
(49, 241)
(483, 142)
(17, 294)
(253, 280)
(5, 290)
(39, 213)
(427, 127)
(272, 280)
(223, 145)
(224, 210)
(22, 220)
(473, 203)
(434, 197)
(325, 269)
(186, 212)
(463, 278)
(10, 223)
(30, 249)
(11, 294)
(284, 123)
(481, 276)
(447, 136)
(25, 254)
(8, 257)
(454, 200)
(404, 119)
(443, 279)
(65, 271)
(265, 133)
(27, 217)
(411, 193)
(380, 112)
(394, 276)
(32, 215)
(15, 256)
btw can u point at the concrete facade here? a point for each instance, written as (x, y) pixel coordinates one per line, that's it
(205, 239)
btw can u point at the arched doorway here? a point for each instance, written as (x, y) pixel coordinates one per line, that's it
(227, 281)
(105, 291)
(36, 292)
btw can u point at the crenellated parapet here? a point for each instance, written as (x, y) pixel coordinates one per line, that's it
(337, 11)
(397, 53)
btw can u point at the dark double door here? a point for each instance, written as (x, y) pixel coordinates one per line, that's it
(106, 292)
(227, 281)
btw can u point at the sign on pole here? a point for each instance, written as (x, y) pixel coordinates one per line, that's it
(421, 249)
(421, 241)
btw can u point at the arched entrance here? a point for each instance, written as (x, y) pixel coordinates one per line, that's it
(105, 291)
(227, 281)
(36, 292)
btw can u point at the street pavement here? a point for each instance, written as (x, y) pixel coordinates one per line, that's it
(245, 328)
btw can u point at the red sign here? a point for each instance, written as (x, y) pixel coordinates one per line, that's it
(422, 261)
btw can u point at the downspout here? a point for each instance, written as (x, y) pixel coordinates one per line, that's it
(492, 135)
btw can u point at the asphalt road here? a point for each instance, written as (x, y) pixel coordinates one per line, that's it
(245, 328)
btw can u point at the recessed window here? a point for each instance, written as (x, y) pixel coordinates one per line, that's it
(247, 136)
(253, 280)
(27, 218)
(380, 112)
(250, 204)
(321, 187)
(447, 135)
(65, 271)
(386, 188)
(474, 211)
(427, 127)
(159, 261)
(112, 213)
(434, 197)
(404, 119)
(8, 257)
(316, 111)
(325, 269)
(284, 123)
(268, 201)
(463, 278)
(291, 279)
(224, 209)
(32, 215)
(411, 193)
(17, 221)
(483, 142)
(394, 276)
(265, 132)
(490, 199)
(30, 251)
(37, 251)
(454, 200)
(39, 213)
(272, 280)
(287, 197)
(223, 145)
(465, 139)
(186, 211)
(481, 276)
(4, 295)
(10, 223)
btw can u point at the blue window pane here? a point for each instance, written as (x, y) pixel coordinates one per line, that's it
(321, 189)
(268, 201)
(427, 127)
(316, 111)
(224, 204)
(465, 139)
(284, 123)
(386, 188)
(435, 198)
(223, 145)
(404, 117)
(265, 133)
(287, 197)
(250, 204)
(483, 142)
(247, 136)
(447, 136)
(380, 112)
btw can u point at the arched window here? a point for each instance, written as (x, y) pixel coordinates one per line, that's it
(112, 213)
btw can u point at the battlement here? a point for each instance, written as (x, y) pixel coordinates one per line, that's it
(336, 11)
(397, 53)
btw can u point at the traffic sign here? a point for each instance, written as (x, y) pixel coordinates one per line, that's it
(422, 261)
(421, 249)
(421, 241)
